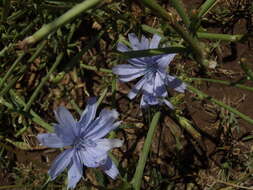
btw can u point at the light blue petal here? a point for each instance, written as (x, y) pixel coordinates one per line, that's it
(127, 69)
(103, 124)
(176, 84)
(164, 61)
(144, 43)
(143, 104)
(135, 44)
(104, 145)
(127, 78)
(66, 120)
(149, 84)
(122, 48)
(137, 62)
(96, 156)
(60, 163)
(91, 158)
(88, 114)
(166, 102)
(137, 87)
(155, 41)
(160, 86)
(51, 140)
(110, 168)
(64, 133)
(75, 172)
(103, 128)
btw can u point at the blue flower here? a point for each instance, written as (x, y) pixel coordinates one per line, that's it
(153, 70)
(85, 139)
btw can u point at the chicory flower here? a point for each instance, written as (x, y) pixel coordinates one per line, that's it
(85, 137)
(152, 70)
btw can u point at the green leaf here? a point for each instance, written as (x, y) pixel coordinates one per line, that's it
(137, 179)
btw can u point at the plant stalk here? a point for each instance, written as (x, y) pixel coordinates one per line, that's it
(63, 19)
(137, 178)
(178, 5)
(205, 7)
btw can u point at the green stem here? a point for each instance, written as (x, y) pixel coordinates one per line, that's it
(203, 96)
(178, 5)
(10, 71)
(202, 35)
(224, 82)
(6, 9)
(5, 49)
(43, 81)
(27, 28)
(38, 50)
(94, 68)
(12, 82)
(102, 96)
(152, 52)
(151, 30)
(205, 7)
(76, 107)
(224, 37)
(63, 19)
(137, 178)
(16, 15)
(12, 186)
(186, 125)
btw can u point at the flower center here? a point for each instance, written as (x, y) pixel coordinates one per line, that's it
(81, 143)
(152, 67)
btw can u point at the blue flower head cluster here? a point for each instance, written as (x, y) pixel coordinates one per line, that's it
(152, 71)
(85, 137)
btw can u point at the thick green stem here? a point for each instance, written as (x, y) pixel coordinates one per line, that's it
(43, 81)
(202, 35)
(224, 37)
(63, 19)
(225, 82)
(203, 96)
(137, 178)
(178, 5)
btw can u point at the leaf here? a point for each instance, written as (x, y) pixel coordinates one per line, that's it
(20, 145)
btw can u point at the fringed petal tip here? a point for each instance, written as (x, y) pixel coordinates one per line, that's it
(110, 169)
(122, 48)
